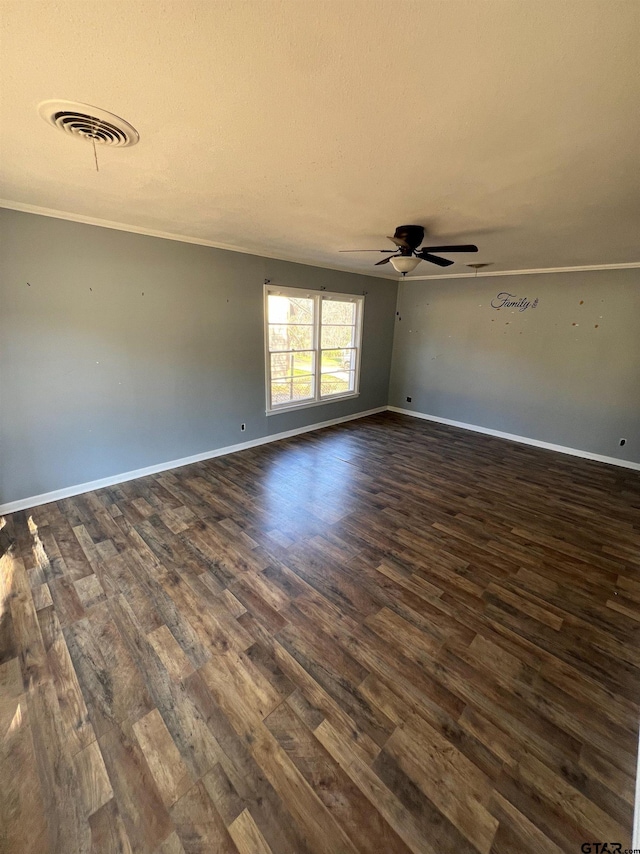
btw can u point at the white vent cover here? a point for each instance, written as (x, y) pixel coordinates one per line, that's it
(87, 122)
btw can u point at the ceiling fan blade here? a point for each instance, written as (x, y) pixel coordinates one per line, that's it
(467, 247)
(366, 250)
(399, 241)
(426, 256)
(384, 261)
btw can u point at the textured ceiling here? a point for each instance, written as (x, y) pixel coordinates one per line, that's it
(297, 129)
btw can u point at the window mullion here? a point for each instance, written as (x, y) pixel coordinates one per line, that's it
(316, 344)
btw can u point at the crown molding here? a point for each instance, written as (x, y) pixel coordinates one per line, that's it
(180, 238)
(228, 247)
(581, 268)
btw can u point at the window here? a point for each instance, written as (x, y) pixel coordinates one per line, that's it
(312, 346)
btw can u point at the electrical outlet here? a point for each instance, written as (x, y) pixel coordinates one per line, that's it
(408, 400)
(243, 426)
(623, 442)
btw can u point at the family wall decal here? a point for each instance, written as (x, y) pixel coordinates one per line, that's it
(506, 300)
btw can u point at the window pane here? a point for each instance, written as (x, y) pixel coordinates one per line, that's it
(337, 336)
(338, 383)
(336, 313)
(302, 388)
(288, 390)
(338, 360)
(289, 309)
(288, 337)
(303, 363)
(281, 365)
(292, 364)
(337, 371)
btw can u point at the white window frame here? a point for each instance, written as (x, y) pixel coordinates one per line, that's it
(318, 297)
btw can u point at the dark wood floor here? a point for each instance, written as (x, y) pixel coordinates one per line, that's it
(388, 636)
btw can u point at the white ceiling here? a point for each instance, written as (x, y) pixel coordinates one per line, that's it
(303, 127)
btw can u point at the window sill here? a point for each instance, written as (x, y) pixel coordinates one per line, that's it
(295, 407)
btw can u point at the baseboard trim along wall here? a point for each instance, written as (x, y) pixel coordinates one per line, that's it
(78, 489)
(524, 440)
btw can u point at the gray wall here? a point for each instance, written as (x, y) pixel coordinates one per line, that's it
(565, 372)
(120, 351)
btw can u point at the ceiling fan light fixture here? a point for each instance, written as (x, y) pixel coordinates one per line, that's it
(405, 263)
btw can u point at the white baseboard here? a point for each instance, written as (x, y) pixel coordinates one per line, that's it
(524, 440)
(78, 489)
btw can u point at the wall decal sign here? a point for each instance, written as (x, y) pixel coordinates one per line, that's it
(505, 300)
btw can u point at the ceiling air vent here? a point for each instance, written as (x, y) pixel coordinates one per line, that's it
(87, 122)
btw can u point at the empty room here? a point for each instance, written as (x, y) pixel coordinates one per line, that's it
(319, 426)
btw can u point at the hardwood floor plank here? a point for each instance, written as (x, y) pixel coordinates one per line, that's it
(198, 824)
(23, 804)
(170, 653)
(26, 637)
(139, 801)
(370, 784)
(188, 728)
(579, 809)
(320, 699)
(163, 758)
(108, 833)
(41, 596)
(11, 692)
(93, 781)
(428, 823)
(388, 635)
(517, 833)
(337, 792)
(223, 794)
(299, 798)
(89, 591)
(246, 835)
(73, 711)
(171, 845)
(68, 829)
(447, 778)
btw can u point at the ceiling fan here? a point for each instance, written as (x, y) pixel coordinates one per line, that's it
(407, 239)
